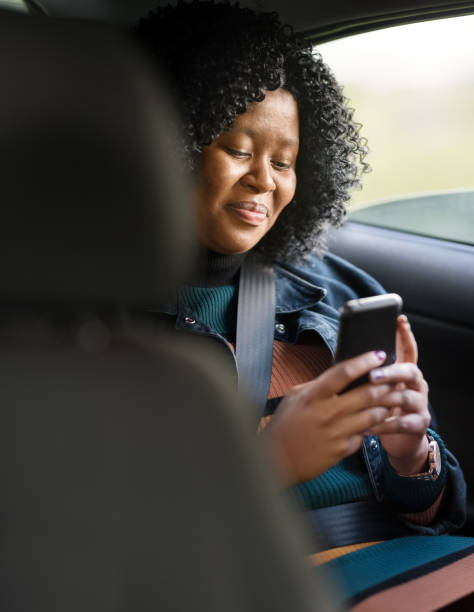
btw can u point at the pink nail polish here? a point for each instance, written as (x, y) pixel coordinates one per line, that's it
(381, 355)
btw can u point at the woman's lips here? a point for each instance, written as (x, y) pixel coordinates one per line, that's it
(250, 212)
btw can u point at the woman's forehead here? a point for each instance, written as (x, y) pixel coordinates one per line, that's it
(277, 112)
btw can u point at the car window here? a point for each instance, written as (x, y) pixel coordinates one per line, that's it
(15, 5)
(413, 90)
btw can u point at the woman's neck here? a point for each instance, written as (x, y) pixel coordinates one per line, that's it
(216, 269)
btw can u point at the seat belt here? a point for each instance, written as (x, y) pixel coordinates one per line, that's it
(355, 522)
(255, 329)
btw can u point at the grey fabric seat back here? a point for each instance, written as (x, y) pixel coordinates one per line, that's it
(131, 481)
(130, 477)
(88, 157)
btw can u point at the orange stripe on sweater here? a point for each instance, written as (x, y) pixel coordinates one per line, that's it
(427, 516)
(294, 364)
(333, 553)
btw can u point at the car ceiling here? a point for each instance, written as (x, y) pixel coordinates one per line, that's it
(320, 19)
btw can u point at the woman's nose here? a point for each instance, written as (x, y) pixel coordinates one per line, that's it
(260, 177)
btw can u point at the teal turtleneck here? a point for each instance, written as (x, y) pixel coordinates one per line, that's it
(212, 296)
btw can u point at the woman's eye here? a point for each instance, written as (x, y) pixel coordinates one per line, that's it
(281, 165)
(236, 153)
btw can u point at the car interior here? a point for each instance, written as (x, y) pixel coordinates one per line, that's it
(82, 138)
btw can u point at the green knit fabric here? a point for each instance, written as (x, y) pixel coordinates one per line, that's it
(214, 306)
(410, 494)
(364, 569)
(345, 482)
(348, 481)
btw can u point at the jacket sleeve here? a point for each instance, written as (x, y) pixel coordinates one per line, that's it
(410, 495)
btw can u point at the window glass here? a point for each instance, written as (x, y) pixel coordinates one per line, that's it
(15, 5)
(413, 90)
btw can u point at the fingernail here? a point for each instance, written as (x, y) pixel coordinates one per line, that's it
(404, 318)
(377, 374)
(381, 355)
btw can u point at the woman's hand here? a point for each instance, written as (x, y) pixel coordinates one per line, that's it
(403, 433)
(314, 427)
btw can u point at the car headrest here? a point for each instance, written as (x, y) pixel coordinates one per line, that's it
(95, 199)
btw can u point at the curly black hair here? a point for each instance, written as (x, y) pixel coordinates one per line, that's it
(221, 58)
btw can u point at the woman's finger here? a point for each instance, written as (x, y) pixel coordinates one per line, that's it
(408, 400)
(406, 424)
(406, 347)
(363, 421)
(407, 373)
(335, 379)
(362, 397)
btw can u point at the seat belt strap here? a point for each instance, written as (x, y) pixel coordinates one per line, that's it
(355, 522)
(255, 330)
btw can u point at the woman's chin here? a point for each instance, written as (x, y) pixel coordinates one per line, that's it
(230, 245)
(227, 250)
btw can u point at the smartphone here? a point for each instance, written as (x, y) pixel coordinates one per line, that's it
(368, 324)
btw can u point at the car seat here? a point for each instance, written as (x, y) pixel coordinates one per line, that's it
(130, 477)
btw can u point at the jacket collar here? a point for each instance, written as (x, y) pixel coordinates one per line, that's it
(294, 293)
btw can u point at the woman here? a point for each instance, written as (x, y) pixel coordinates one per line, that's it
(276, 154)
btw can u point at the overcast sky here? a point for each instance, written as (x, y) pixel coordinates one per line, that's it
(430, 52)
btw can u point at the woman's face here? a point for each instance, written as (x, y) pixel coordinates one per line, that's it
(247, 175)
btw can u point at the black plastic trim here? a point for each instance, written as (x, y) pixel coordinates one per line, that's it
(351, 27)
(435, 277)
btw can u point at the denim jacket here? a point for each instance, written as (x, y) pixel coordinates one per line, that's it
(308, 297)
